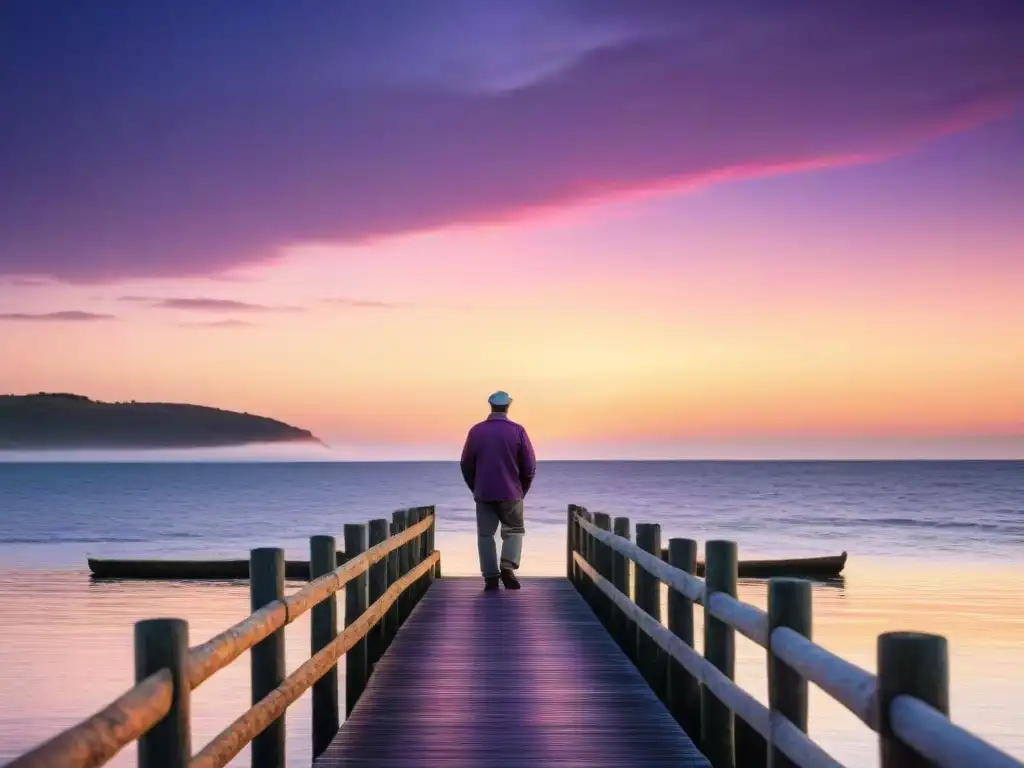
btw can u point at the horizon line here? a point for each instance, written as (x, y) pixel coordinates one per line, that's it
(733, 460)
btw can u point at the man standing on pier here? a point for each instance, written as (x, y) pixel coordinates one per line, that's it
(498, 465)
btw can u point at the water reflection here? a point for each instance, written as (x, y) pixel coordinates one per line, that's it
(68, 644)
(70, 653)
(980, 612)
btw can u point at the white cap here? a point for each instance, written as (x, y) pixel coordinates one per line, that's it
(499, 398)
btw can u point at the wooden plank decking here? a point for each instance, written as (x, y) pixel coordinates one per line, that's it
(524, 678)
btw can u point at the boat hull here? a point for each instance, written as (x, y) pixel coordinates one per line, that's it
(813, 567)
(190, 569)
(816, 567)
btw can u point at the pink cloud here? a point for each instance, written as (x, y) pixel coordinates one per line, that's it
(63, 316)
(353, 303)
(226, 323)
(204, 304)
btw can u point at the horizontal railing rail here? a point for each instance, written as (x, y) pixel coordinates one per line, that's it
(906, 703)
(382, 582)
(229, 742)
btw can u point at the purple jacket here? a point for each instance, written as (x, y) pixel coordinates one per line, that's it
(498, 462)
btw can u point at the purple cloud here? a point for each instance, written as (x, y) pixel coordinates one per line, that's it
(226, 323)
(203, 304)
(351, 121)
(64, 316)
(364, 303)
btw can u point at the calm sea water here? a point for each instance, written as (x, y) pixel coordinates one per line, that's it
(934, 546)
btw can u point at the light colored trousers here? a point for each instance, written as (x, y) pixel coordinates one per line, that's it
(509, 515)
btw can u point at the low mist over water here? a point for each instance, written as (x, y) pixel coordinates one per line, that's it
(263, 452)
(953, 448)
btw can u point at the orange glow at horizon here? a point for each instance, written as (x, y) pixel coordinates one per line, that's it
(592, 373)
(717, 333)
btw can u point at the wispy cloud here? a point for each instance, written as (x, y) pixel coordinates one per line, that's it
(226, 323)
(342, 301)
(206, 304)
(400, 121)
(65, 316)
(27, 282)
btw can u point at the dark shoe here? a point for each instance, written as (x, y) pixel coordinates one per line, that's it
(490, 583)
(508, 578)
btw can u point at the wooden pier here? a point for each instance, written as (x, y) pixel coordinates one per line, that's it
(577, 670)
(508, 679)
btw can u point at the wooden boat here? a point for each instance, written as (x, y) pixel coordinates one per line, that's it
(190, 569)
(816, 567)
(829, 566)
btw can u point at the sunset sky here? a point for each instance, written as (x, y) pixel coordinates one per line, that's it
(666, 228)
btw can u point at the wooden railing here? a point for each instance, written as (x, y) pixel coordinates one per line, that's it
(907, 702)
(390, 565)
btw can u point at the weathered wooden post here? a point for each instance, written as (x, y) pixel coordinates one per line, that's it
(421, 553)
(425, 549)
(587, 552)
(578, 542)
(718, 741)
(581, 545)
(266, 584)
(433, 545)
(376, 639)
(163, 644)
(356, 592)
(570, 544)
(406, 564)
(323, 629)
(413, 549)
(789, 605)
(625, 627)
(606, 609)
(912, 664)
(391, 620)
(683, 688)
(399, 522)
(415, 516)
(648, 598)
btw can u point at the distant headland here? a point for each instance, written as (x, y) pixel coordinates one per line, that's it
(54, 421)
